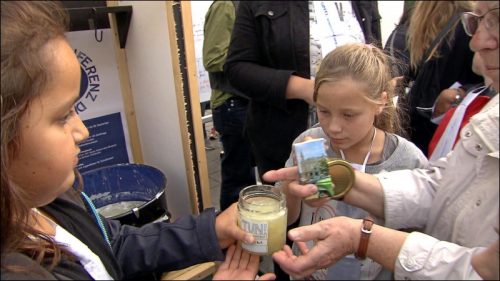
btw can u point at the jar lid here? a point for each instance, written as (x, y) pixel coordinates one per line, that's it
(342, 175)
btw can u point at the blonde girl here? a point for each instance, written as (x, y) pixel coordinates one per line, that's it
(357, 118)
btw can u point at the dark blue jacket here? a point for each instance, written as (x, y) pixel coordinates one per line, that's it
(152, 248)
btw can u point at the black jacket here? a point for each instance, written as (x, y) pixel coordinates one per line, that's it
(270, 42)
(152, 248)
(453, 64)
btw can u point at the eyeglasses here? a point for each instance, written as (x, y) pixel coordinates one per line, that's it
(471, 21)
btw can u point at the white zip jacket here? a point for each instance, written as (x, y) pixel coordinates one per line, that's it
(455, 202)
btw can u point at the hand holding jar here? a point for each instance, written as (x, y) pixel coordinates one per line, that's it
(262, 212)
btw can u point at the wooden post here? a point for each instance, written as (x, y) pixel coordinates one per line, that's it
(187, 25)
(188, 99)
(128, 102)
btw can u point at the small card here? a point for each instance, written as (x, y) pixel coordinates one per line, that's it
(312, 163)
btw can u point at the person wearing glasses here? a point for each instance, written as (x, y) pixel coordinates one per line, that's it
(455, 202)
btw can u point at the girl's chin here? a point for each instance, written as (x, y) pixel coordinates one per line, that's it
(339, 144)
(68, 183)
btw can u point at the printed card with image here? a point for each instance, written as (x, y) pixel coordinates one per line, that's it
(312, 163)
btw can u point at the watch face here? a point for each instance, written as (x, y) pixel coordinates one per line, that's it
(342, 175)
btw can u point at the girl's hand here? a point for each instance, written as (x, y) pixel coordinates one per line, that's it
(227, 229)
(240, 265)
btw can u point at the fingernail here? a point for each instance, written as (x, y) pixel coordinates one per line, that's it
(313, 188)
(293, 234)
(249, 239)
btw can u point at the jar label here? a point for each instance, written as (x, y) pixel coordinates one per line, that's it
(259, 230)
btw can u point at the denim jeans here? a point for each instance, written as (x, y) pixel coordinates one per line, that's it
(237, 169)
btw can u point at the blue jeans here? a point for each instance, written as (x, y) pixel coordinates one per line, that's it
(237, 169)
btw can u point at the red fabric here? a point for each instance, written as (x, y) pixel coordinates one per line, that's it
(474, 107)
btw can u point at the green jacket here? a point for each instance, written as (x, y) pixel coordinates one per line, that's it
(218, 27)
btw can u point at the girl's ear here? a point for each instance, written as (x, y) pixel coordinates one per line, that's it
(383, 101)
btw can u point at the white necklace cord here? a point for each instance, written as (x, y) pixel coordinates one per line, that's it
(369, 150)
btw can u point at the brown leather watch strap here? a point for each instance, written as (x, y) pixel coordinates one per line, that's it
(366, 230)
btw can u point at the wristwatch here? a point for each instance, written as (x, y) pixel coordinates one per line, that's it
(460, 93)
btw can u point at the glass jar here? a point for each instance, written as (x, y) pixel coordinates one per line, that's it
(262, 212)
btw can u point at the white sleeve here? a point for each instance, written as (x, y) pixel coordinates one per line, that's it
(408, 195)
(424, 257)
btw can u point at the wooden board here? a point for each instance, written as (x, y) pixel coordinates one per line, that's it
(195, 272)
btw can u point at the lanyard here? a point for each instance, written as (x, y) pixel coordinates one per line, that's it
(362, 167)
(447, 140)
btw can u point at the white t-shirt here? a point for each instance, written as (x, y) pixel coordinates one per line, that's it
(332, 24)
(89, 260)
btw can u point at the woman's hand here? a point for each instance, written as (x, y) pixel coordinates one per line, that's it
(446, 100)
(486, 262)
(240, 265)
(294, 191)
(290, 176)
(292, 187)
(333, 240)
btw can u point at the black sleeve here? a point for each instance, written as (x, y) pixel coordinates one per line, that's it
(375, 29)
(369, 17)
(246, 67)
